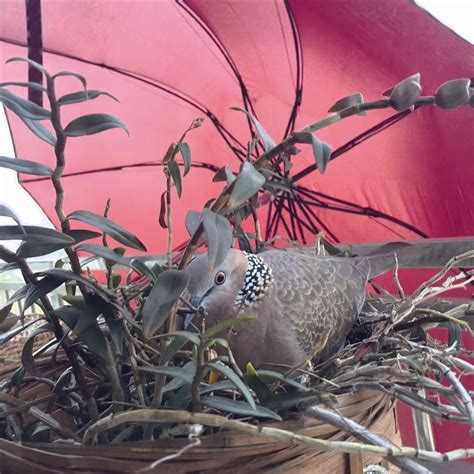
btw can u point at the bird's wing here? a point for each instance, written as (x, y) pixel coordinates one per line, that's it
(319, 296)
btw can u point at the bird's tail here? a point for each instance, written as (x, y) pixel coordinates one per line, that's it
(382, 259)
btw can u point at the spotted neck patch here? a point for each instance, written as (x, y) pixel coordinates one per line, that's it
(258, 279)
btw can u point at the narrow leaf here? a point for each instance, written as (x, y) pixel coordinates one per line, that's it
(115, 231)
(176, 176)
(40, 289)
(225, 325)
(164, 294)
(162, 218)
(22, 107)
(105, 253)
(82, 96)
(346, 102)
(7, 212)
(239, 408)
(80, 78)
(92, 124)
(30, 85)
(34, 234)
(143, 268)
(248, 182)
(27, 358)
(186, 154)
(39, 130)
(236, 380)
(175, 372)
(224, 174)
(270, 374)
(190, 336)
(218, 235)
(32, 63)
(193, 219)
(25, 166)
(268, 142)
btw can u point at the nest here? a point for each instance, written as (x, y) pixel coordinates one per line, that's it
(225, 451)
(331, 412)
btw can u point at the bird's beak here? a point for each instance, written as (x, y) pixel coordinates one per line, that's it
(188, 317)
(187, 320)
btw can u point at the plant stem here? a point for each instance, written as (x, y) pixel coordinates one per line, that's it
(196, 399)
(65, 342)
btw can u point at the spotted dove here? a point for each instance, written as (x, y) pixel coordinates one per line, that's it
(299, 301)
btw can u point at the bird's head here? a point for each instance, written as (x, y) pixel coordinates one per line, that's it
(240, 280)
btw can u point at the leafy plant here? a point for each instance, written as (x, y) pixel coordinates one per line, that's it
(117, 347)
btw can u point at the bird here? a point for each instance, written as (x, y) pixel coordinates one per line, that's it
(298, 302)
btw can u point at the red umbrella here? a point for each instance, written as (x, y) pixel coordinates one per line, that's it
(286, 62)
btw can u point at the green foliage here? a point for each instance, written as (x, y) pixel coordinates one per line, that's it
(119, 338)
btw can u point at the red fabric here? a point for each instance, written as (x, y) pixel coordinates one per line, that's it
(419, 170)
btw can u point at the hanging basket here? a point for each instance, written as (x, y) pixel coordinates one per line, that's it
(226, 451)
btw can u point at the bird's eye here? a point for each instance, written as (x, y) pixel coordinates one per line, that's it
(219, 278)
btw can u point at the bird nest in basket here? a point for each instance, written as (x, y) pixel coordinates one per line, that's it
(319, 411)
(247, 359)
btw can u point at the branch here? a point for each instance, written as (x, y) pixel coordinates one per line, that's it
(184, 417)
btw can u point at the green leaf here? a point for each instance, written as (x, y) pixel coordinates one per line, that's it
(268, 142)
(35, 249)
(454, 335)
(219, 237)
(34, 234)
(18, 295)
(321, 150)
(79, 235)
(143, 269)
(27, 358)
(7, 336)
(173, 347)
(174, 372)
(270, 374)
(193, 219)
(190, 336)
(39, 130)
(186, 154)
(239, 408)
(164, 294)
(224, 174)
(7, 212)
(30, 85)
(105, 253)
(216, 387)
(346, 102)
(82, 96)
(25, 166)
(84, 325)
(224, 325)
(258, 386)
(100, 291)
(177, 383)
(453, 93)
(236, 380)
(404, 95)
(40, 289)
(32, 63)
(8, 267)
(176, 176)
(248, 182)
(22, 107)
(115, 231)
(92, 124)
(75, 300)
(80, 78)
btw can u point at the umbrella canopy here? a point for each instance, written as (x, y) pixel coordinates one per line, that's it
(286, 62)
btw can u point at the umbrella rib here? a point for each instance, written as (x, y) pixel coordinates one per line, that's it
(151, 82)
